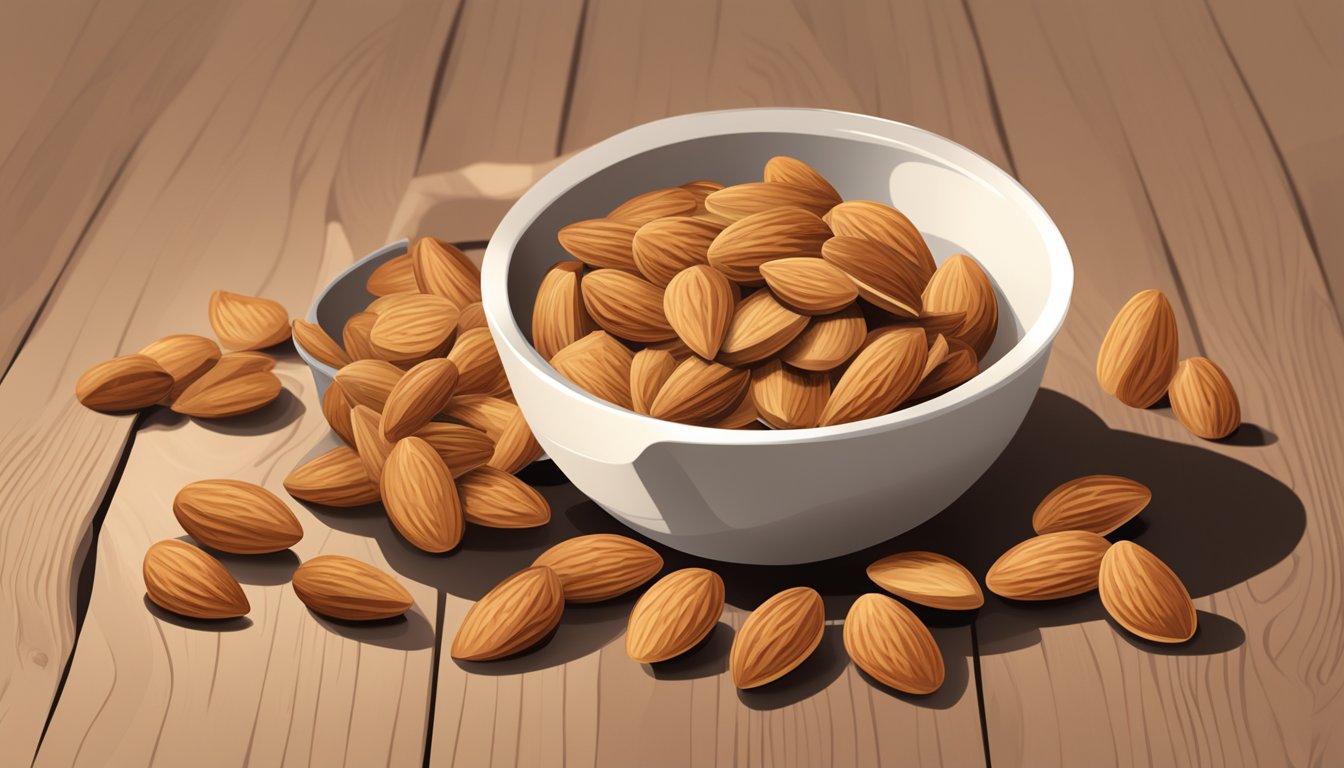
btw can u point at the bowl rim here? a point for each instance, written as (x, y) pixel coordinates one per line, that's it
(1035, 341)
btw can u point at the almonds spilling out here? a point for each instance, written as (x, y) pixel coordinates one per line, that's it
(1144, 596)
(600, 566)
(886, 640)
(344, 588)
(1049, 566)
(236, 516)
(928, 578)
(778, 636)
(674, 615)
(183, 579)
(1096, 503)
(512, 617)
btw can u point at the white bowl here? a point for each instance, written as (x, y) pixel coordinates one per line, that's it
(788, 496)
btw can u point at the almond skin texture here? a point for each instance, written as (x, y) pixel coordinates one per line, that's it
(699, 303)
(337, 478)
(420, 496)
(247, 322)
(183, 579)
(355, 336)
(880, 274)
(743, 200)
(441, 269)
(786, 398)
(369, 382)
(649, 370)
(886, 640)
(599, 364)
(350, 590)
(1096, 503)
(928, 578)
(559, 317)
(700, 190)
(417, 397)
(480, 371)
(185, 357)
(1048, 567)
(657, 204)
(1203, 398)
(883, 224)
(1144, 596)
(461, 447)
(414, 327)
(516, 447)
(789, 170)
(396, 275)
(960, 285)
(336, 410)
(957, 366)
(674, 615)
(664, 247)
(236, 516)
(882, 376)
(777, 637)
(761, 326)
(809, 285)
(124, 383)
(1138, 356)
(700, 392)
(221, 392)
(496, 499)
(312, 338)
(490, 415)
(600, 566)
(743, 246)
(512, 617)
(372, 447)
(827, 341)
(471, 316)
(601, 243)
(626, 305)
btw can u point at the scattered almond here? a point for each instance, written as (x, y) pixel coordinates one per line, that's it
(234, 386)
(461, 447)
(236, 516)
(778, 636)
(336, 410)
(1138, 356)
(1144, 596)
(512, 617)
(337, 478)
(247, 322)
(928, 578)
(600, 566)
(417, 397)
(516, 446)
(496, 499)
(185, 357)
(886, 640)
(183, 579)
(347, 589)
(1096, 503)
(1049, 566)
(420, 496)
(373, 448)
(674, 615)
(1203, 398)
(124, 383)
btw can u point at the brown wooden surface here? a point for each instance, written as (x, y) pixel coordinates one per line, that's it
(152, 151)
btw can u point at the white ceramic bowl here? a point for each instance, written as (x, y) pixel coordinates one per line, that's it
(787, 496)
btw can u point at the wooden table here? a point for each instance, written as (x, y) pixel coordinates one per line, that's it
(154, 150)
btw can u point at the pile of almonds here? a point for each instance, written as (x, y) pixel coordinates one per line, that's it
(770, 303)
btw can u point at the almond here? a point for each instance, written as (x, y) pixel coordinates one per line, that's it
(675, 347)
(231, 388)
(347, 589)
(1204, 400)
(480, 371)
(414, 327)
(881, 377)
(827, 341)
(599, 364)
(417, 397)
(786, 398)
(183, 579)
(809, 285)
(659, 203)
(777, 637)
(441, 269)
(185, 357)
(369, 382)
(600, 566)
(928, 578)
(674, 615)
(490, 415)
(699, 392)
(626, 305)
(355, 336)
(337, 478)
(512, 617)
(601, 243)
(883, 224)
(236, 516)
(665, 247)
(700, 190)
(559, 317)
(420, 496)
(247, 322)
(935, 324)
(957, 366)
(743, 246)
(1096, 503)
(496, 499)
(471, 316)
(789, 170)
(649, 370)
(699, 304)
(760, 327)
(742, 200)
(373, 448)
(396, 275)
(461, 447)
(1138, 356)
(312, 338)
(516, 446)
(1144, 596)
(960, 285)
(882, 275)
(1049, 566)
(383, 302)
(886, 640)
(742, 417)
(336, 410)
(124, 384)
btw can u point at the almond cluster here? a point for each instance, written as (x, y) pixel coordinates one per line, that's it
(770, 303)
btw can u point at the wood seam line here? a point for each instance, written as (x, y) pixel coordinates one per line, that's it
(571, 80)
(449, 45)
(436, 660)
(994, 110)
(980, 694)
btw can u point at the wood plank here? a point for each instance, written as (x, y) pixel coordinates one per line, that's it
(228, 188)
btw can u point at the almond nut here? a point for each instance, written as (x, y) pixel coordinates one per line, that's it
(1049, 566)
(777, 637)
(183, 579)
(1203, 398)
(928, 578)
(1096, 503)
(247, 322)
(1144, 596)
(674, 615)
(600, 566)
(512, 617)
(886, 640)
(347, 589)
(337, 478)
(496, 499)
(420, 496)
(124, 383)
(1138, 356)
(236, 516)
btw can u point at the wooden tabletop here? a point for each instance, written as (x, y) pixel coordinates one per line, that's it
(152, 151)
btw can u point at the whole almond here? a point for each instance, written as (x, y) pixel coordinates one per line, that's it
(881, 377)
(373, 448)
(369, 382)
(461, 447)
(664, 247)
(1138, 356)
(124, 384)
(312, 338)
(600, 566)
(236, 516)
(760, 327)
(414, 327)
(185, 357)
(559, 317)
(355, 336)
(1144, 596)
(496, 499)
(247, 322)
(649, 369)
(790, 170)
(336, 410)
(699, 304)
(809, 285)
(883, 224)
(886, 640)
(777, 637)
(743, 200)
(1203, 398)
(659, 203)
(626, 305)
(780, 233)
(183, 579)
(490, 415)
(1049, 566)
(396, 275)
(441, 269)
(337, 478)
(512, 617)
(928, 578)
(225, 391)
(1096, 503)
(480, 371)
(420, 496)
(601, 243)
(827, 341)
(956, 364)
(699, 392)
(417, 397)
(599, 364)
(789, 399)
(881, 275)
(471, 316)
(383, 303)
(960, 285)
(674, 615)
(347, 589)
(516, 446)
